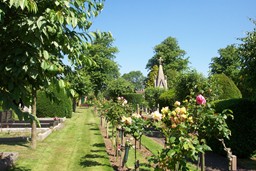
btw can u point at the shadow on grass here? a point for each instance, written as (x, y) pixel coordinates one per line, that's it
(143, 167)
(99, 145)
(89, 160)
(19, 169)
(98, 151)
(94, 129)
(94, 158)
(97, 134)
(24, 144)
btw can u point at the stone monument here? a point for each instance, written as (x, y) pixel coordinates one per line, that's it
(161, 79)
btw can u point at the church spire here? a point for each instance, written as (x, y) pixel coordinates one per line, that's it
(161, 80)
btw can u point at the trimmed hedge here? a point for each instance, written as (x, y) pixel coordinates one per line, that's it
(228, 87)
(243, 127)
(134, 99)
(48, 108)
(167, 98)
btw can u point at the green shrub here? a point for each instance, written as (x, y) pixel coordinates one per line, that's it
(62, 107)
(228, 88)
(243, 127)
(152, 96)
(189, 81)
(134, 99)
(167, 98)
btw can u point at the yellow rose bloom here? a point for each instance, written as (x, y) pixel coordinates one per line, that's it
(177, 103)
(127, 120)
(183, 110)
(156, 116)
(173, 113)
(183, 116)
(177, 110)
(135, 115)
(165, 110)
(190, 119)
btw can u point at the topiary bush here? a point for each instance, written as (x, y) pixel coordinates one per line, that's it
(61, 107)
(243, 127)
(228, 88)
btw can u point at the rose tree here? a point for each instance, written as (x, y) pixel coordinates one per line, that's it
(185, 128)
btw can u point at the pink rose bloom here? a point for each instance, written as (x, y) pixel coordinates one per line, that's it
(200, 99)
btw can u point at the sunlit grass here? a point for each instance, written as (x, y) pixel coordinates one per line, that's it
(78, 146)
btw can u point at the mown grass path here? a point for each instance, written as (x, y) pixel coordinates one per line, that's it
(78, 146)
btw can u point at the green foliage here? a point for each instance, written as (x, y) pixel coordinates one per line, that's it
(152, 96)
(150, 80)
(185, 128)
(118, 87)
(171, 54)
(136, 78)
(228, 88)
(134, 99)
(79, 82)
(59, 106)
(167, 98)
(136, 127)
(248, 71)
(228, 63)
(106, 69)
(35, 35)
(174, 61)
(115, 111)
(189, 81)
(243, 140)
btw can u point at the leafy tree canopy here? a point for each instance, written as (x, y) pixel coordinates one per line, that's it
(248, 57)
(228, 62)
(35, 35)
(172, 55)
(136, 78)
(118, 87)
(106, 69)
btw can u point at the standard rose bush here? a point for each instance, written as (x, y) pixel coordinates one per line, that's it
(185, 128)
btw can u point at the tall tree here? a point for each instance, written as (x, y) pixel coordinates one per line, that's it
(228, 62)
(79, 85)
(35, 35)
(136, 78)
(173, 56)
(103, 53)
(150, 80)
(248, 57)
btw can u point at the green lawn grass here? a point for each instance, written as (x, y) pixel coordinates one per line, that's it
(143, 161)
(78, 146)
(151, 145)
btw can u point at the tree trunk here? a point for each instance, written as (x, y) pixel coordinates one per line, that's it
(74, 104)
(33, 128)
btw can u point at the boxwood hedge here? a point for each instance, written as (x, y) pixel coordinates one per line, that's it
(243, 127)
(61, 107)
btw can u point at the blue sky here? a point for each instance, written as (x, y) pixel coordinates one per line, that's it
(201, 28)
